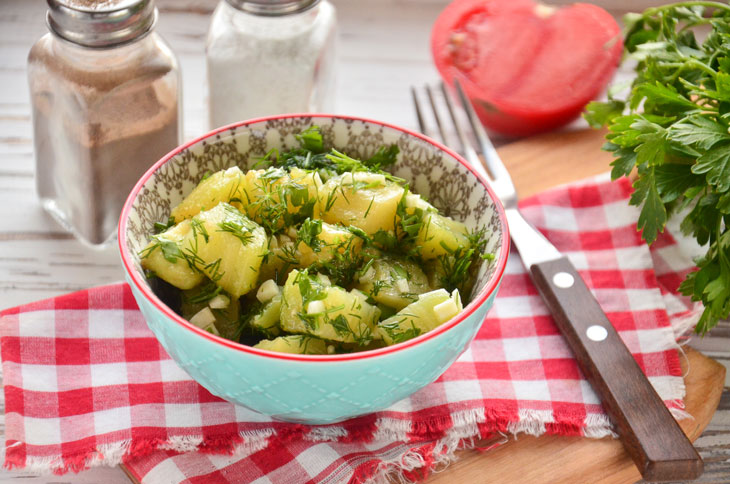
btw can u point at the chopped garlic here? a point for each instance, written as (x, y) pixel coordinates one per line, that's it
(324, 279)
(446, 310)
(284, 239)
(368, 276)
(221, 301)
(415, 201)
(330, 350)
(273, 243)
(292, 232)
(402, 285)
(267, 291)
(457, 297)
(316, 307)
(203, 318)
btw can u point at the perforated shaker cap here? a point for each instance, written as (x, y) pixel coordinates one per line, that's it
(273, 7)
(101, 23)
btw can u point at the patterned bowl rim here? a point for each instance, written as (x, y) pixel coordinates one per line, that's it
(481, 297)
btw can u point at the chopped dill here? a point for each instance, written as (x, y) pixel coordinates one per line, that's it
(237, 230)
(456, 264)
(396, 333)
(198, 228)
(213, 270)
(207, 292)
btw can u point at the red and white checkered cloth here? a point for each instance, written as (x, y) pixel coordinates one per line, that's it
(86, 382)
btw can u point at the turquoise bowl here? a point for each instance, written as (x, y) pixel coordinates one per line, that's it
(314, 389)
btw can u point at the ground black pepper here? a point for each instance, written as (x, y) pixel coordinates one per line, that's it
(101, 118)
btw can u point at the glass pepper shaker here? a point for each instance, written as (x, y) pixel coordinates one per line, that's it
(269, 57)
(105, 93)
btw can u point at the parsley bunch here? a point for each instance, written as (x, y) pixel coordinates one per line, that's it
(673, 129)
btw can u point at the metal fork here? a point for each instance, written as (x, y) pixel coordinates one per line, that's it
(647, 429)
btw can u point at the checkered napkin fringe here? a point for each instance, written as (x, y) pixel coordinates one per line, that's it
(87, 384)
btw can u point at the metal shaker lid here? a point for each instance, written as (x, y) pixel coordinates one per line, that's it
(273, 7)
(101, 23)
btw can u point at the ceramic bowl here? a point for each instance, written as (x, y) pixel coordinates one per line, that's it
(313, 388)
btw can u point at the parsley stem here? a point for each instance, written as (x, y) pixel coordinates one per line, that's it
(691, 62)
(654, 10)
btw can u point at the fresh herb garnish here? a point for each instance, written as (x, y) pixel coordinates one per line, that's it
(398, 334)
(385, 156)
(206, 293)
(170, 250)
(312, 155)
(456, 264)
(672, 128)
(199, 228)
(311, 139)
(213, 270)
(280, 201)
(344, 264)
(160, 227)
(308, 233)
(407, 224)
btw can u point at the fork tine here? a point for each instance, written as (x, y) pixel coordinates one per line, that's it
(467, 147)
(491, 157)
(436, 115)
(419, 114)
(465, 144)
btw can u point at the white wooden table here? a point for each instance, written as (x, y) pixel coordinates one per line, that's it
(383, 50)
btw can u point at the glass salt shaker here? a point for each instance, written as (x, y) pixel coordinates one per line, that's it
(269, 57)
(105, 93)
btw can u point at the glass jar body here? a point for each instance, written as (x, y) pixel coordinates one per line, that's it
(101, 118)
(266, 65)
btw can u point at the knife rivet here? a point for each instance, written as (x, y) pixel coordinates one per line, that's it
(596, 333)
(563, 280)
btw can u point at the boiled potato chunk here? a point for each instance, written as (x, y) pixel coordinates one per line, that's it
(414, 201)
(271, 196)
(364, 200)
(222, 186)
(320, 241)
(228, 248)
(266, 321)
(297, 344)
(430, 311)
(311, 306)
(395, 282)
(441, 235)
(224, 309)
(164, 256)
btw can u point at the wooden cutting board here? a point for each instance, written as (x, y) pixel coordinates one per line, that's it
(536, 164)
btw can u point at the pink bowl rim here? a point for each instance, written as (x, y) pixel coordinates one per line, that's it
(480, 298)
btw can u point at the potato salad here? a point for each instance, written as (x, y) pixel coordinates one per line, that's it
(313, 252)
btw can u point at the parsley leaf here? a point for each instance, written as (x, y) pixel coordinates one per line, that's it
(672, 128)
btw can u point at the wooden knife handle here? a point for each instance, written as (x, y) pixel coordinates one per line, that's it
(652, 437)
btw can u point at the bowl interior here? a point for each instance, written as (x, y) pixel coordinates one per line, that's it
(431, 171)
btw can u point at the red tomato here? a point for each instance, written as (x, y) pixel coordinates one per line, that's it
(526, 66)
